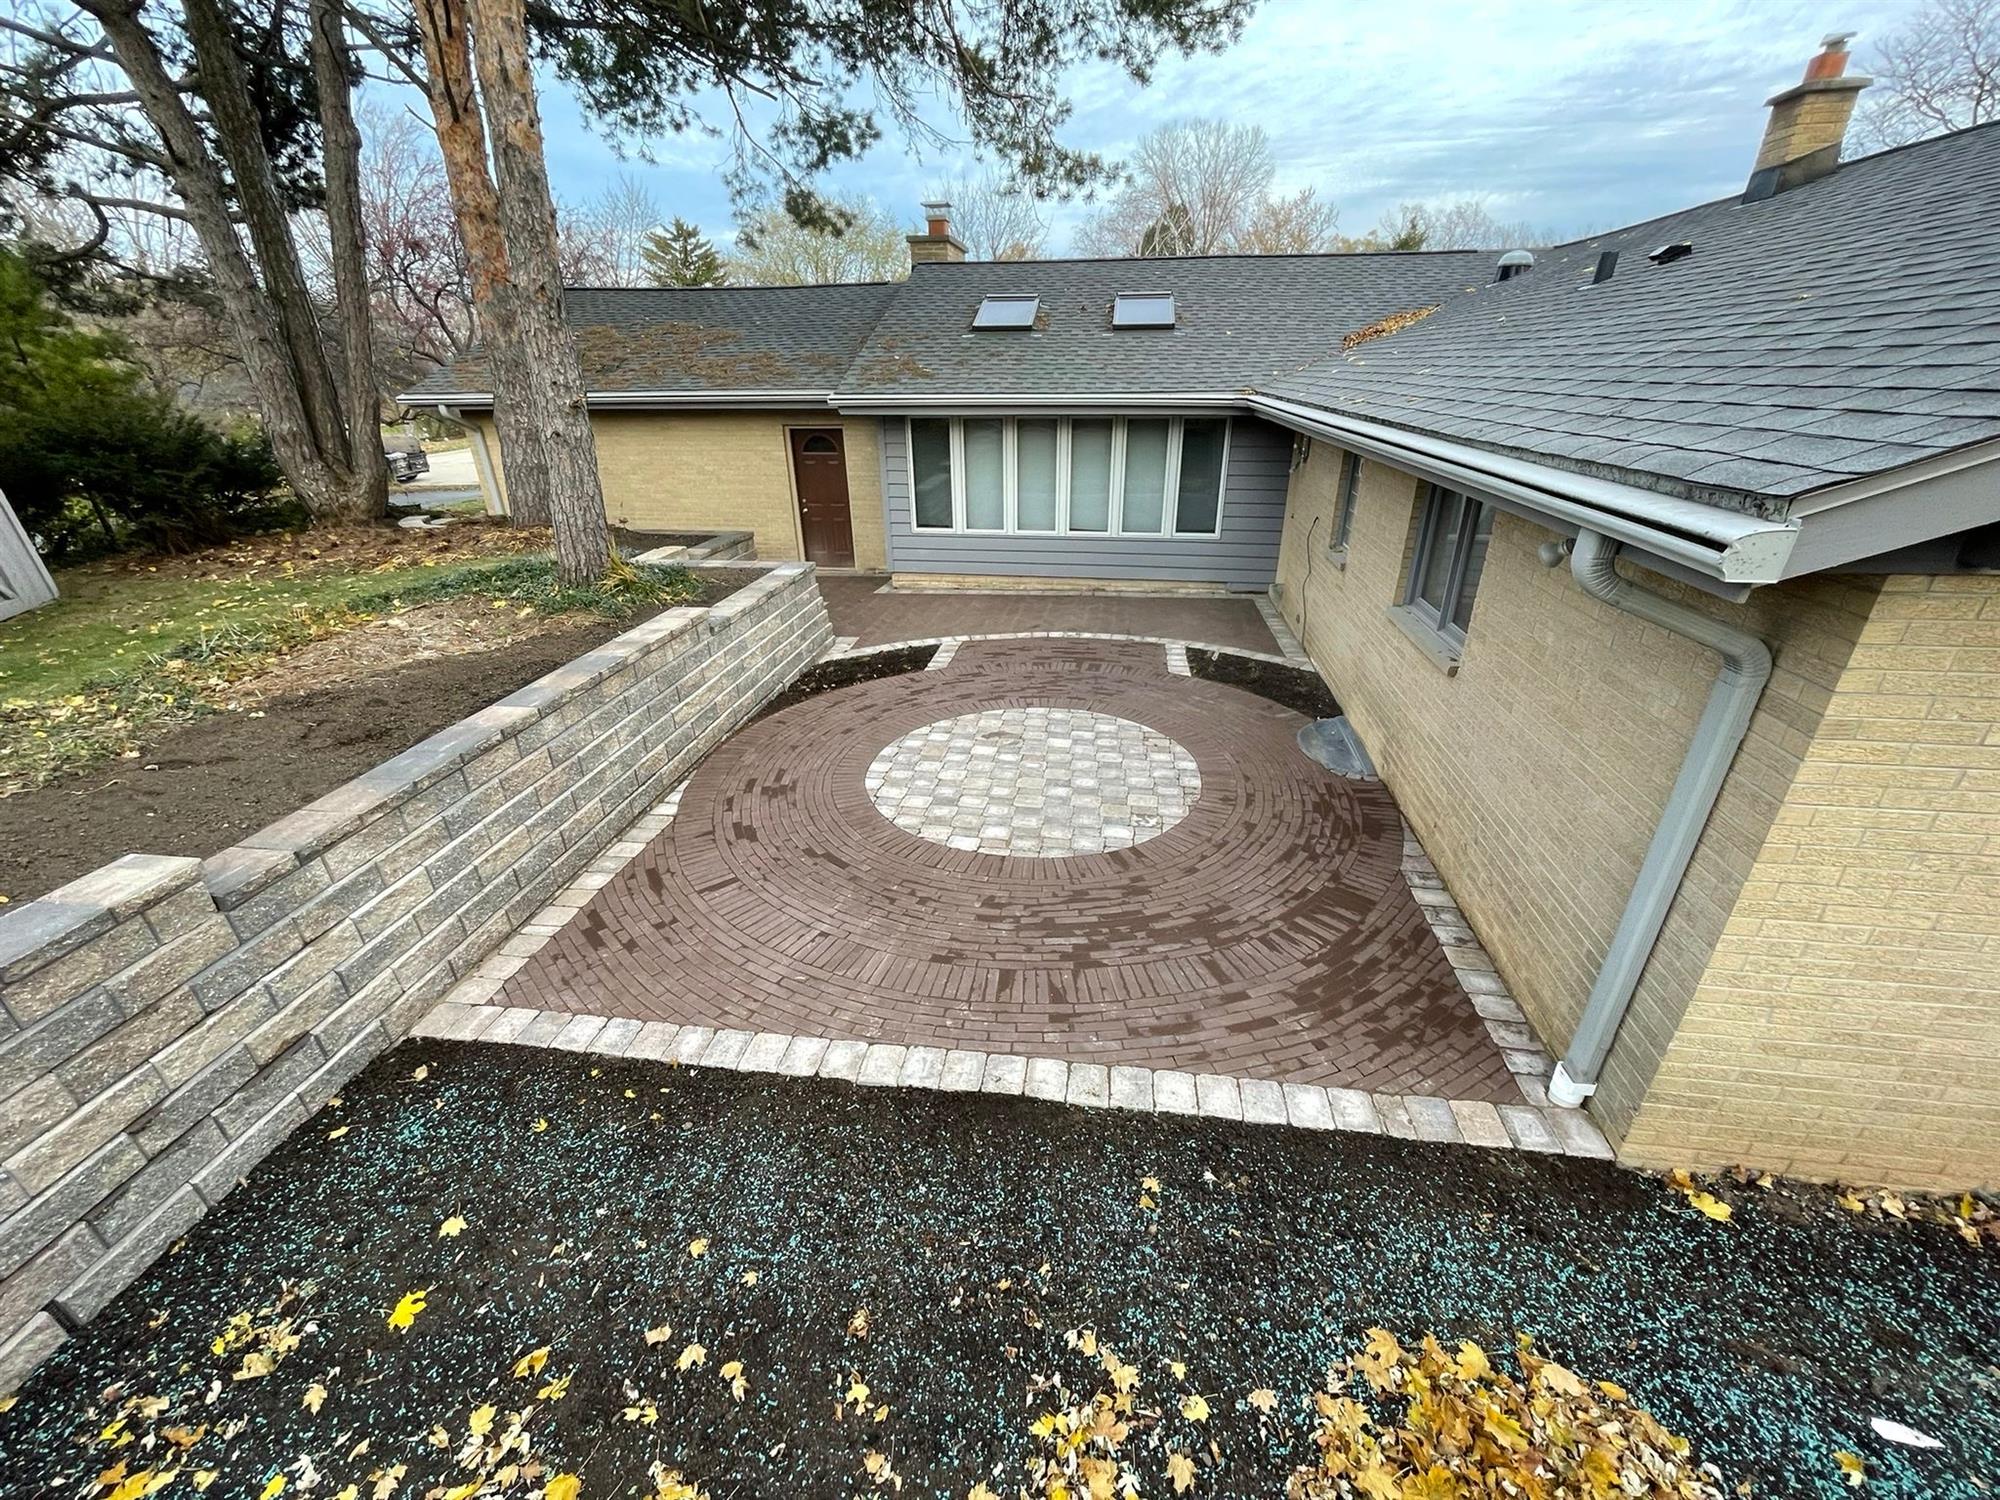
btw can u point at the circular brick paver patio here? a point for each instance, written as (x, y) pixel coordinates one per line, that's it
(1267, 932)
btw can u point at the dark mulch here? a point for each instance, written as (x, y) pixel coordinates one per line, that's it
(849, 670)
(979, 1233)
(1297, 688)
(203, 786)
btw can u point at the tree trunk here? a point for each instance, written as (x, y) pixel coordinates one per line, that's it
(252, 319)
(476, 205)
(225, 89)
(528, 224)
(347, 238)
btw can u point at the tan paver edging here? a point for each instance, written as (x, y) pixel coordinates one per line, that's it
(165, 1022)
(1254, 1101)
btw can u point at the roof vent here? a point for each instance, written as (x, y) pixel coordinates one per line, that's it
(1666, 255)
(1607, 266)
(1515, 263)
(1142, 310)
(1014, 312)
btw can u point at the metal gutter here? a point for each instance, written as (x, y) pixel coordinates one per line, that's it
(1704, 539)
(642, 400)
(1081, 402)
(1725, 719)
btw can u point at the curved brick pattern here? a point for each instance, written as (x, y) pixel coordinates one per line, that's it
(1269, 933)
(1043, 783)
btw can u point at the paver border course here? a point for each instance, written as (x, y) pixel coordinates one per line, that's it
(165, 1022)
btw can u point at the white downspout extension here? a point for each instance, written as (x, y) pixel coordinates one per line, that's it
(1746, 668)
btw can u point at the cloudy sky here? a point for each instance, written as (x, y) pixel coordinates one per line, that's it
(1570, 114)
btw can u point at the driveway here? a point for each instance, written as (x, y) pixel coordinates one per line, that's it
(1052, 848)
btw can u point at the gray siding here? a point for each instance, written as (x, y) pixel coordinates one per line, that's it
(1245, 556)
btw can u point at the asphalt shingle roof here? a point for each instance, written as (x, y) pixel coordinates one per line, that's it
(1240, 319)
(1844, 328)
(692, 339)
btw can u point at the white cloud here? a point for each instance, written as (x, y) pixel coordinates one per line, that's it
(1574, 114)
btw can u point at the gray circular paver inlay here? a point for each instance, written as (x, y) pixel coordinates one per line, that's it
(1040, 782)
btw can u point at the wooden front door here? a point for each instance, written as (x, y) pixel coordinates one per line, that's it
(819, 472)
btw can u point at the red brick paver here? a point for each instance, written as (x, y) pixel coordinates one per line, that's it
(1270, 933)
(860, 609)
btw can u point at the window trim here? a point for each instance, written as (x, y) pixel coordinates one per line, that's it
(1115, 529)
(1415, 612)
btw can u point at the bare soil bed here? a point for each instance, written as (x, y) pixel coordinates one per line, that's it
(802, 1288)
(1298, 688)
(318, 717)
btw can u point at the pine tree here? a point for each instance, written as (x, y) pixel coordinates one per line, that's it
(681, 255)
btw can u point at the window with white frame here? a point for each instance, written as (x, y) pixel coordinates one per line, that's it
(1452, 537)
(1069, 476)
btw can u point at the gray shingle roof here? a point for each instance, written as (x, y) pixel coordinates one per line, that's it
(690, 339)
(1843, 328)
(1240, 319)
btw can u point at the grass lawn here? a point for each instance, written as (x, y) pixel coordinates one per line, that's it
(498, 1270)
(132, 643)
(114, 614)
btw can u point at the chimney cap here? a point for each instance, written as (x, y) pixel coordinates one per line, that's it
(1836, 41)
(937, 208)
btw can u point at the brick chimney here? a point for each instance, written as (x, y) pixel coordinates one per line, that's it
(1808, 122)
(937, 242)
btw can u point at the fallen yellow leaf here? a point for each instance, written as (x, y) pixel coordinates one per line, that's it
(562, 1487)
(406, 1310)
(1194, 1407)
(314, 1398)
(1180, 1469)
(451, 1228)
(273, 1487)
(1264, 1399)
(531, 1363)
(691, 1356)
(338, 1131)
(659, 1335)
(1852, 1466)
(698, 1246)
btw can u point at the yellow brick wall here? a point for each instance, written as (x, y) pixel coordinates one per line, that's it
(1849, 1023)
(726, 471)
(1536, 774)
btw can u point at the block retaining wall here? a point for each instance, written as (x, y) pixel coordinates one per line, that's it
(164, 1022)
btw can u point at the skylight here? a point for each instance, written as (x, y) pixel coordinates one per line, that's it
(1006, 312)
(1143, 310)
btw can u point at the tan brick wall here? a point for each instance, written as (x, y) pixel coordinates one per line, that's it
(1849, 1023)
(1535, 776)
(727, 471)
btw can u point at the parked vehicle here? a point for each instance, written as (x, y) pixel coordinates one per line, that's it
(407, 464)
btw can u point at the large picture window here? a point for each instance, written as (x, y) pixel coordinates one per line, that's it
(1452, 537)
(1069, 476)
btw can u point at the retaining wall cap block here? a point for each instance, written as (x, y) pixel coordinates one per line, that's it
(43, 930)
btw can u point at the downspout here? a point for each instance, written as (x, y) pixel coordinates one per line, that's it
(482, 461)
(1746, 667)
